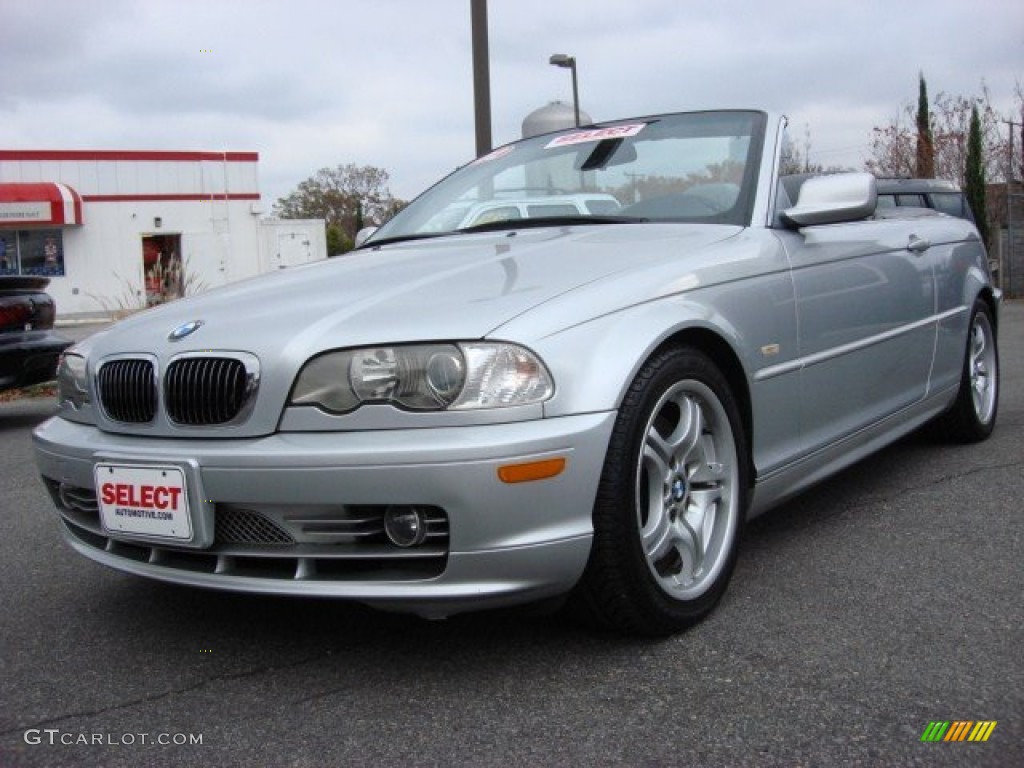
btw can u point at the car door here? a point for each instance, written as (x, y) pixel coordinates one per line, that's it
(865, 301)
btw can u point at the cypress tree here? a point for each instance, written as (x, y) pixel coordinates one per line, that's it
(925, 167)
(974, 175)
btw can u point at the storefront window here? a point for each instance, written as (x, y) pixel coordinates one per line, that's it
(32, 252)
(8, 253)
(42, 252)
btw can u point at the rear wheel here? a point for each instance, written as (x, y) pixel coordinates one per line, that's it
(973, 415)
(672, 499)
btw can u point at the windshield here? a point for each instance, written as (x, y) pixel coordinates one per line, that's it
(697, 167)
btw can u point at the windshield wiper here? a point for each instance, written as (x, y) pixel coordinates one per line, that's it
(400, 239)
(494, 226)
(550, 221)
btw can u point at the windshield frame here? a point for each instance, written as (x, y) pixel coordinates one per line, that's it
(598, 144)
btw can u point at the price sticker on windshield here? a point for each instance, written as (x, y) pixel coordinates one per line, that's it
(596, 134)
(497, 154)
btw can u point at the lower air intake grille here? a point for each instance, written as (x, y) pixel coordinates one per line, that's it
(128, 390)
(243, 526)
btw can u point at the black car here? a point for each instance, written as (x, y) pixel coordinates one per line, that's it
(29, 348)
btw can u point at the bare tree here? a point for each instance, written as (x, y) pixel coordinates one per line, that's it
(893, 150)
(795, 160)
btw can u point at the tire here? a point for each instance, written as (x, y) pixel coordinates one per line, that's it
(671, 502)
(972, 417)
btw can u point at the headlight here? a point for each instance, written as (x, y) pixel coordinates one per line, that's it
(72, 383)
(427, 377)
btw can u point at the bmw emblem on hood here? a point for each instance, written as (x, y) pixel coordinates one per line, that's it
(182, 331)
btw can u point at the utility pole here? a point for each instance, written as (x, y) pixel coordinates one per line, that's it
(481, 76)
(1012, 125)
(1007, 254)
(1021, 124)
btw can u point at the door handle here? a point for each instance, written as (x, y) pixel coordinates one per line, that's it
(918, 244)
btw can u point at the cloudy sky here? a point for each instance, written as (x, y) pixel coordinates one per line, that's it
(315, 83)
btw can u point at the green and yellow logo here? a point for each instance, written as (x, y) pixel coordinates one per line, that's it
(958, 730)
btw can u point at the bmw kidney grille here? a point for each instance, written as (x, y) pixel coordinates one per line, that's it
(128, 391)
(196, 391)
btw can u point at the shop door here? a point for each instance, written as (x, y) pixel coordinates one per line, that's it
(163, 271)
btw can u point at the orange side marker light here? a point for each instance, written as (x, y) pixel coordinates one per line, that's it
(530, 471)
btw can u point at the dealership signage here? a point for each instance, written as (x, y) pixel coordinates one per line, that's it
(25, 213)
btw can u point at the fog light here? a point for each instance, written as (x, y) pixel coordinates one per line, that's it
(404, 526)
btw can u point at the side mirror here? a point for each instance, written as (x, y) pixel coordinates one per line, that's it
(363, 235)
(833, 199)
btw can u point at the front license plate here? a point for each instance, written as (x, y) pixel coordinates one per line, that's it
(150, 501)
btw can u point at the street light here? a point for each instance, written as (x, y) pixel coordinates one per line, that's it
(569, 62)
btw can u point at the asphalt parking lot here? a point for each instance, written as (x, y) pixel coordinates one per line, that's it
(889, 597)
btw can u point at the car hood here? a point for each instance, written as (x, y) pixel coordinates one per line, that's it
(449, 288)
(446, 289)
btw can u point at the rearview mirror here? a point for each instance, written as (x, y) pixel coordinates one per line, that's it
(833, 199)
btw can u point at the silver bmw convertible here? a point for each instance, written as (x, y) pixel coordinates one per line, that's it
(572, 369)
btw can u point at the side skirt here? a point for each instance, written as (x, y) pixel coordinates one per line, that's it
(788, 481)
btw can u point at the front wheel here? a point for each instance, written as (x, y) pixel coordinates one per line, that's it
(672, 499)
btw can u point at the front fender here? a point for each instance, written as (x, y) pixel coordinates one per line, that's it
(593, 364)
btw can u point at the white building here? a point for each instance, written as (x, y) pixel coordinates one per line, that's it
(119, 230)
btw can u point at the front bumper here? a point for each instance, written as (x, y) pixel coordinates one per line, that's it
(498, 543)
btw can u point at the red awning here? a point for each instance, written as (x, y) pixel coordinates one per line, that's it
(43, 203)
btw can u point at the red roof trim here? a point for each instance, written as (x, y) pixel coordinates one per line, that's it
(170, 198)
(118, 154)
